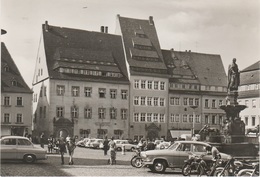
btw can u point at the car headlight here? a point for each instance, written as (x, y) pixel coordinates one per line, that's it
(143, 154)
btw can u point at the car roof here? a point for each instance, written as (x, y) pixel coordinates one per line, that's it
(194, 142)
(20, 137)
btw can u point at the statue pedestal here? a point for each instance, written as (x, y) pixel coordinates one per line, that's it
(231, 98)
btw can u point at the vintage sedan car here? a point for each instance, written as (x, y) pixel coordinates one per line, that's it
(95, 144)
(174, 156)
(126, 144)
(81, 143)
(87, 145)
(21, 148)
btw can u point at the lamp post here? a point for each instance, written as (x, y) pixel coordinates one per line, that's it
(193, 121)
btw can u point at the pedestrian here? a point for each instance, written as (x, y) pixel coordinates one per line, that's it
(71, 145)
(105, 145)
(112, 148)
(50, 144)
(62, 147)
(150, 145)
(42, 140)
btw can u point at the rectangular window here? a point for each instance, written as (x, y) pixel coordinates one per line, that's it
(220, 120)
(185, 101)
(161, 117)
(177, 118)
(190, 118)
(112, 93)
(197, 102)
(143, 84)
(155, 117)
(136, 117)
(246, 103)
(59, 112)
(136, 100)
(123, 113)
(74, 112)
(112, 113)
(88, 91)
(254, 103)
(19, 101)
(206, 103)
(171, 100)
(102, 92)
(246, 120)
(136, 84)
(177, 101)
(149, 101)
(155, 85)
(161, 101)
(7, 101)
(101, 113)
(214, 120)
(124, 94)
(190, 101)
(60, 90)
(213, 103)
(143, 100)
(19, 118)
(172, 118)
(206, 119)
(150, 84)
(87, 113)
(220, 102)
(184, 118)
(149, 117)
(75, 91)
(253, 120)
(142, 119)
(155, 101)
(162, 85)
(197, 119)
(6, 118)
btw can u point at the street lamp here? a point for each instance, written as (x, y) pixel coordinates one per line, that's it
(193, 121)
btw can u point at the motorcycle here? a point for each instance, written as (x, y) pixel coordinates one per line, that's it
(250, 172)
(136, 160)
(197, 164)
(232, 167)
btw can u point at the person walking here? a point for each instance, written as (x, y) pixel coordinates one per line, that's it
(105, 145)
(50, 144)
(112, 147)
(62, 147)
(42, 140)
(71, 145)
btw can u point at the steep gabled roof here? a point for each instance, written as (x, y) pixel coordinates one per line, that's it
(10, 73)
(251, 74)
(208, 68)
(255, 66)
(141, 44)
(66, 47)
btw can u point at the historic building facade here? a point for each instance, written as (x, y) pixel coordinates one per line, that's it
(249, 95)
(16, 96)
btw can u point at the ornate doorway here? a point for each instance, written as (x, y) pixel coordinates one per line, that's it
(152, 131)
(63, 127)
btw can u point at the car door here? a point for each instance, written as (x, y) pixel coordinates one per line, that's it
(24, 146)
(183, 153)
(8, 148)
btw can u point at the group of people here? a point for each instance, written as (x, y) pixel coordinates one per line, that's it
(110, 145)
(65, 145)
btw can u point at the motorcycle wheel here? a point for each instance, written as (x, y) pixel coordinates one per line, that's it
(201, 170)
(186, 170)
(138, 162)
(133, 161)
(245, 172)
(218, 172)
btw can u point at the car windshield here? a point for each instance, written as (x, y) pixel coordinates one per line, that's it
(174, 146)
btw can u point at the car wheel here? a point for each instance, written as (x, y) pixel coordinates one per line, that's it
(29, 158)
(138, 162)
(159, 166)
(119, 149)
(186, 170)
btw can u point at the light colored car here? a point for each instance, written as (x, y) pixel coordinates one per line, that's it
(21, 148)
(95, 144)
(87, 145)
(126, 144)
(163, 145)
(174, 156)
(81, 143)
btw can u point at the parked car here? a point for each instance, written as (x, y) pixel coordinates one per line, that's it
(21, 148)
(87, 145)
(126, 144)
(81, 143)
(174, 156)
(163, 145)
(96, 143)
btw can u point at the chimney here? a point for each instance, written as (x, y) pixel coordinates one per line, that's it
(172, 49)
(106, 29)
(46, 26)
(151, 20)
(102, 29)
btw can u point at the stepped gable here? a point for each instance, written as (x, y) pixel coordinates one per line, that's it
(9, 73)
(78, 49)
(178, 68)
(142, 45)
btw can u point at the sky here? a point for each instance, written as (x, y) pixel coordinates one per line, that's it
(229, 28)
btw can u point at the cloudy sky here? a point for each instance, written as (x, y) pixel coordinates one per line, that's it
(230, 28)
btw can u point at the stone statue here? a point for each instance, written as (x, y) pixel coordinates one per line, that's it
(233, 76)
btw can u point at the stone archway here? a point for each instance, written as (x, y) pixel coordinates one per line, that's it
(152, 131)
(63, 127)
(62, 133)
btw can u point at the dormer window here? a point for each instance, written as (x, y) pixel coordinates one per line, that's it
(14, 83)
(6, 69)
